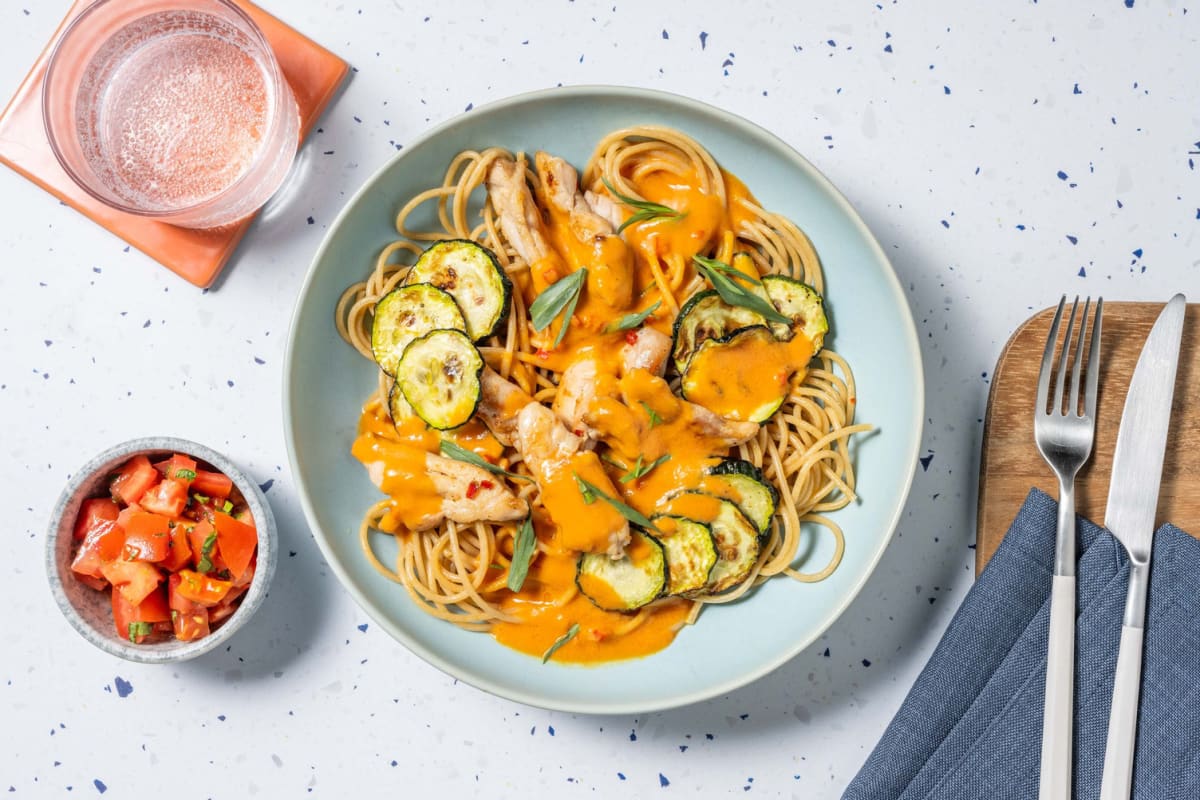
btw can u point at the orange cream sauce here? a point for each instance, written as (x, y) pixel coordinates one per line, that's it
(747, 375)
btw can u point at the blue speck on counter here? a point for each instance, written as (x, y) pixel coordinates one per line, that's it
(831, 42)
(945, 224)
(703, 44)
(124, 687)
(633, 736)
(826, 653)
(887, 48)
(550, 729)
(221, 717)
(866, 662)
(1129, 3)
(925, 462)
(266, 487)
(259, 361)
(1020, 227)
(1082, 272)
(665, 35)
(1072, 239)
(1062, 176)
(1077, 90)
(662, 780)
(311, 221)
(1137, 253)
(363, 627)
(946, 89)
(100, 787)
(621, 776)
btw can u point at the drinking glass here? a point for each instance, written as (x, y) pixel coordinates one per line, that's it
(170, 109)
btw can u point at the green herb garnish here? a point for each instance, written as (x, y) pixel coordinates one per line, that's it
(560, 641)
(639, 470)
(629, 513)
(137, 629)
(199, 498)
(205, 564)
(643, 209)
(186, 474)
(631, 321)
(523, 549)
(585, 489)
(454, 451)
(728, 270)
(734, 294)
(655, 419)
(559, 296)
(228, 506)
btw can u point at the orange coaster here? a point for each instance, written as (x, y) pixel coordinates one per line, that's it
(314, 74)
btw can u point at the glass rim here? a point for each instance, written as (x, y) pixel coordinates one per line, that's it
(74, 27)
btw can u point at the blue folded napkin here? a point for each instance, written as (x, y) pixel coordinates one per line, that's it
(971, 726)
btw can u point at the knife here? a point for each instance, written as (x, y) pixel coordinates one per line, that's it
(1129, 516)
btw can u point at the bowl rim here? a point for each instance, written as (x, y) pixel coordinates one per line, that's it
(171, 651)
(465, 674)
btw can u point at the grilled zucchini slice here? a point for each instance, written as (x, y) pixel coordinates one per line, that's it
(439, 376)
(690, 550)
(406, 313)
(707, 379)
(749, 490)
(799, 302)
(706, 316)
(626, 583)
(738, 546)
(470, 273)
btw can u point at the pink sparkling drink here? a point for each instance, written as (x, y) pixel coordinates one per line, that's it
(175, 110)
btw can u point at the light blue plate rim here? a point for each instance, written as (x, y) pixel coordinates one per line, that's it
(904, 466)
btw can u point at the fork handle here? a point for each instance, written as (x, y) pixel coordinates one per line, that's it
(1058, 716)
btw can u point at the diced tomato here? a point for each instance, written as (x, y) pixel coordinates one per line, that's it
(95, 513)
(101, 545)
(237, 543)
(198, 534)
(200, 588)
(190, 619)
(178, 467)
(147, 537)
(168, 497)
(133, 480)
(212, 484)
(151, 610)
(134, 579)
(180, 554)
(99, 584)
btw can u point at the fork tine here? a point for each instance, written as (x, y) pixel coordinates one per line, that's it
(1093, 367)
(1061, 378)
(1043, 392)
(1073, 408)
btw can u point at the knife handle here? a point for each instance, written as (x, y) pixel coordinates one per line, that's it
(1058, 716)
(1122, 720)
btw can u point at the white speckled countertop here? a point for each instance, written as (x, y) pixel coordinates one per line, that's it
(1002, 154)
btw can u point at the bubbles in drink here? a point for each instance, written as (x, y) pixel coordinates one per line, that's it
(173, 110)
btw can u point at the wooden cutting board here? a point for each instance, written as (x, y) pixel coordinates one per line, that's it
(1010, 463)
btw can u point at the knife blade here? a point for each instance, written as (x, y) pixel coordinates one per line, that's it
(1129, 516)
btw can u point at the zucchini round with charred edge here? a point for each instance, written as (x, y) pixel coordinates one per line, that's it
(752, 493)
(439, 376)
(799, 302)
(706, 316)
(626, 583)
(692, 376)
(470, 273)
(738, 546)
(691, 553)
(406, 313)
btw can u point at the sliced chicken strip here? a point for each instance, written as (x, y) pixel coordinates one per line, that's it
(648, 351)
(731, 432)
(560, 182)
(519, 217)
(605, 207)
(489, 501)
(558, 460)
(577, 388)
(499, 404)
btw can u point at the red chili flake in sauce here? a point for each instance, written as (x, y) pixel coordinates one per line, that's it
(486, 485)
(472, 489)
(631, 337)
(542, 353)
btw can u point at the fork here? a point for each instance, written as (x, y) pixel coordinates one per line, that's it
(1064, 438)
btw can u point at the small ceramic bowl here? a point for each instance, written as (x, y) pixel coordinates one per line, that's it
(90, 611)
